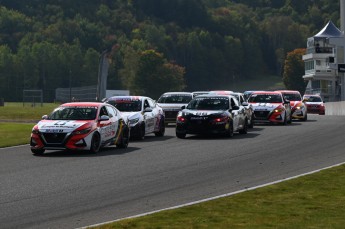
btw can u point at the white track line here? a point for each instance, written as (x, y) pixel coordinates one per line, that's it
(215, 197)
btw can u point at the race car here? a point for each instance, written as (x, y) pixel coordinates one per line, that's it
(248, 108)
(144, 115)
(298, 107)
(197, 93)
(80, 126)
(221, 92)
(315, 104)
(211, 114)
(171, 102)
(270, 107)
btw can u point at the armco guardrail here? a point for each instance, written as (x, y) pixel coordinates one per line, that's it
(335, 108)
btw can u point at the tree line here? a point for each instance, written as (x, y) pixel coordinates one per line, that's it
(154, 46)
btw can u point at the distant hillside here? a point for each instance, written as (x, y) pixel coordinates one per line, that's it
(50, 44)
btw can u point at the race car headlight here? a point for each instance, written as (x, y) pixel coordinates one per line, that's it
(133, 121)
(278, 110)
(35, 131)
(298, 107)
(84, 131)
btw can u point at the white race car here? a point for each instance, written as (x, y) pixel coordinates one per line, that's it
(172, 103)
(144, 115)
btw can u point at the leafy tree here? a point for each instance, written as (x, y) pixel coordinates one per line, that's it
(13, 26)
(294, 70)
(154, 75)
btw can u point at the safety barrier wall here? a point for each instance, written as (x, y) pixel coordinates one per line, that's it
(335, 108)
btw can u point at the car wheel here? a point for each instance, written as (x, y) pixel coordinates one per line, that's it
(124, 139)
(179, 135)
(95, 143)
(141, 135)
(161, 131)
(230, 131)
(37, 151)
(285, 120)
(251, 123)
(305, 117)
(244, 130)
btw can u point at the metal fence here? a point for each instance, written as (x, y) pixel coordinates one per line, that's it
(82, 94)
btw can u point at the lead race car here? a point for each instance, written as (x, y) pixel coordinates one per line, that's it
(143, 114)
(270, 107)
(212, 114)
(80, 126)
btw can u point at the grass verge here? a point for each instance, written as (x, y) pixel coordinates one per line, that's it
(14, 133)
(18, 112)
(312, 201)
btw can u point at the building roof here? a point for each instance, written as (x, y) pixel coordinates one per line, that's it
(330, 30)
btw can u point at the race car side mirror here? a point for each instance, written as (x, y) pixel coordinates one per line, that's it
(104, 118)
(45, 117)
(148, 109)
(183, 107)
(235, 107)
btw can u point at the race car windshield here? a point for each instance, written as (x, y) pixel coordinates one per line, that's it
(126, 105)
(293, 97)
(175, 99)
(313, 99)
(74, 113)
(265, 98)
(209, 104)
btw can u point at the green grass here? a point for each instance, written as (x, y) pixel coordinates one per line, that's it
(16, 122)
(312, 201)
(27, 113)
(14, 133)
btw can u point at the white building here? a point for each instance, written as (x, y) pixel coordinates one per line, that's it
(325, 63)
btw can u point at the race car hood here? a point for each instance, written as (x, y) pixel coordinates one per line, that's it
(265, 106)
(295, 103)
(169, 106)
(201, 112)
(59, 126)
(131, 115)
(314, 103)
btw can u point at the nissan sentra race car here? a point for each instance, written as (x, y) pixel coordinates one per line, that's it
(270, 107)
(212, 114)
(298, 107)
(171, 102)
(80, 126)
(315, 104)
(143, 114)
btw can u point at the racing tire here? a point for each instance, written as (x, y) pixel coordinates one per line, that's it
(95, 143)
(37, 152)
(305, 118)
(161, 131)
(230, 132)
(285, 120)
(251, 124)
(141, 134)
(244, 130)
(123, 144)
(290, 119)
(180, 135)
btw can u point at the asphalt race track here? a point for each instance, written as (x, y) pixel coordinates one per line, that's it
(70, 190)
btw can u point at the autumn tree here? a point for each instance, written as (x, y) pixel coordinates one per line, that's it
(294, 70)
